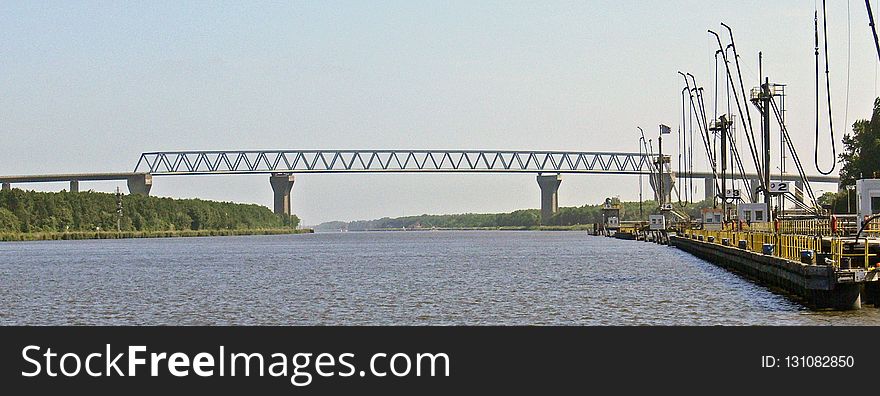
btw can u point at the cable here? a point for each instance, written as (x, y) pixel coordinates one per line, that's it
(871, 24)
(828, 94)
(704, 133)
(794, 155)
(848, 64)
(747, 126)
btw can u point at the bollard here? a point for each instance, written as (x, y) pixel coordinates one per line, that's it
(767, 248)
(710, 239)
(725, 241)
(808, 257)
(743, 244)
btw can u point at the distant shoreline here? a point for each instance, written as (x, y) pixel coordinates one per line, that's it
(82, 235)
(578, 227)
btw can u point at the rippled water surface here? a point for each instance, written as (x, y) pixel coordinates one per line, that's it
(400, 278)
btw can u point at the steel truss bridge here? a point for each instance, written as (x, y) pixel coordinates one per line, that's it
(336, 161)
(283, 164)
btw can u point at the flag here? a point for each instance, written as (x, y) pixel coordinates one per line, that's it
(664, 129)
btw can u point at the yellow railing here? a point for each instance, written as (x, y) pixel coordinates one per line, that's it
(799, 227)
(788, 246)
(872, 229)
(805, 227)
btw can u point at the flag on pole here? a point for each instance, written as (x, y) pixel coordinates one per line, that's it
(665, 129)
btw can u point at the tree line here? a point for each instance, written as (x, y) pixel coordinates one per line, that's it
(32, 211)
(566, 216)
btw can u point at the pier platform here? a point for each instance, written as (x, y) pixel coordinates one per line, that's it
(818, 286)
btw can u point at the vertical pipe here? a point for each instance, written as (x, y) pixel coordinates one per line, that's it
(660, 162)
(766, 116)
(724, 167)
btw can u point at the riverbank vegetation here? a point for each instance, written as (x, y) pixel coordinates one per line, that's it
(77, 235)
(95, 213)
(566, 218)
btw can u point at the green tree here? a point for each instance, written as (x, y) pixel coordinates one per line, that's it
(30, 211)
(861, 149)
(8, 221)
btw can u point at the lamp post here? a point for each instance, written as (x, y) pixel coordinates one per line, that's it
(663, 130)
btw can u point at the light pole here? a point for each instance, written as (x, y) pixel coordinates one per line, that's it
(663, 130)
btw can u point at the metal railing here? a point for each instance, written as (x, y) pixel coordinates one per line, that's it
(790, 245)
(813, 227)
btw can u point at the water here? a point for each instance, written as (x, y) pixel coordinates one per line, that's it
(384, 278)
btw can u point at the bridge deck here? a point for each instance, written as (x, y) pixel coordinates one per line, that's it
(64, 177)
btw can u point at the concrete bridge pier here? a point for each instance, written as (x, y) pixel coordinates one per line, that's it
(137, 184)
(799, 190)
(753, 188)
(668, 185)
(549, 195)
(74, 186)
(7, 186)
(282, 183)
(710, 188)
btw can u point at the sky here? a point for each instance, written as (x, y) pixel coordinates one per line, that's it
(88, 86)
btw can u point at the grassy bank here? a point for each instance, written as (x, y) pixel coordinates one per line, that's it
(54, 236)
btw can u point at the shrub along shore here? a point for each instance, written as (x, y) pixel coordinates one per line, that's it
(34, 216)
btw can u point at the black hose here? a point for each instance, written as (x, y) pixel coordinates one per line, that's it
(750, 132)
(873, 29)
(827, 91)
(703, 132)
(747, 126)
(862, 229)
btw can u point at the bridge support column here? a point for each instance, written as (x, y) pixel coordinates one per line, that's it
(753, 188)
(282, 183)
(7, 186)
(139, 184)
(799, 190)
(549, 196)
(74, 186)
(710, 188)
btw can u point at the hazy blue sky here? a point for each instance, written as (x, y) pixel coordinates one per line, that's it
(89, 86)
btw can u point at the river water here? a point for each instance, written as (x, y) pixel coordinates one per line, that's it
(384, 278)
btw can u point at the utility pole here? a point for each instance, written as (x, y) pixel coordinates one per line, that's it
(660, 160)
(764, 97)
(765, 89)
(721, 126)
(660, 196)
(642, 143)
